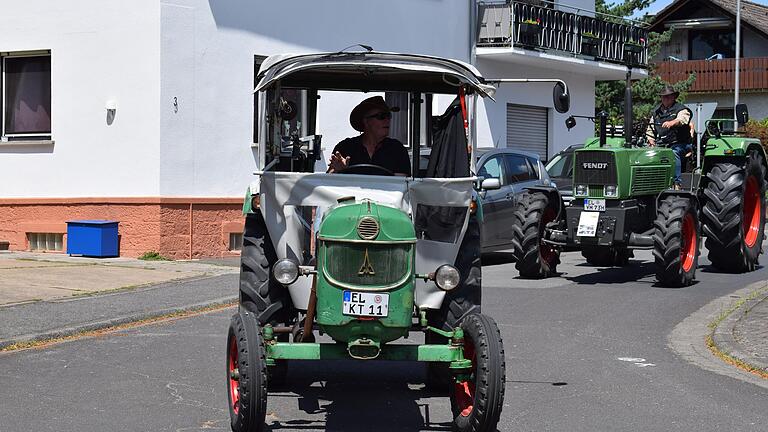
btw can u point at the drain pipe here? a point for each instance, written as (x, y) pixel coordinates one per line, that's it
(190, 229)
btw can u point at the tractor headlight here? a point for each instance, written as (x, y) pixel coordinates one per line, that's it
(581, 190)
(611, 191)
(286, 271)
(447, 277)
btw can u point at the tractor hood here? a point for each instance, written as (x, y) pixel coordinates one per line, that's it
(371, 71)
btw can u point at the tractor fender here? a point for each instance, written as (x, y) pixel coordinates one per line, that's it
(554, 197)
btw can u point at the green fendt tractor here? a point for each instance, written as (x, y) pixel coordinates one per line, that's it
(363, 257)
(624, 200)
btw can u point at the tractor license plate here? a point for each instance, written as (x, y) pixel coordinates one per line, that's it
(365, 304)
(594, 204)
(587, 224)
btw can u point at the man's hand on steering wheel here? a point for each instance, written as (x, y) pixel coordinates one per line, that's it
(338, 162)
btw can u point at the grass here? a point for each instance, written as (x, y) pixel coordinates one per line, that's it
(153, 256)
(726, 357)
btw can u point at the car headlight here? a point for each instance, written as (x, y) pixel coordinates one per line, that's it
(611, 191)
(581, 190)
(286, 271)
(447, 277)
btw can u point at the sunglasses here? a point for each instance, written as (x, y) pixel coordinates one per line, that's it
(386, 115)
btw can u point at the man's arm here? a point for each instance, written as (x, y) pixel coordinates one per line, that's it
(682, 119)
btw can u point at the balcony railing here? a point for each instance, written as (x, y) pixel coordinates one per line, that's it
(718, 75)
(579, 33)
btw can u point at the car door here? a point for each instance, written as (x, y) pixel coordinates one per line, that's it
(494, 201)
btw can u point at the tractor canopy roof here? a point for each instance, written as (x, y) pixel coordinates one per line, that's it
(372, 71)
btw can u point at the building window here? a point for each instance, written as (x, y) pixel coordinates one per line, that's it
(235, 241)
(708, 43)
(45, 241)
(26, 96)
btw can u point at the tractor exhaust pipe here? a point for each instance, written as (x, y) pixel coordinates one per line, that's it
(628, 109)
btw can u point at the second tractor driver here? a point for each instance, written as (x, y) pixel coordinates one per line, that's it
(669, 127)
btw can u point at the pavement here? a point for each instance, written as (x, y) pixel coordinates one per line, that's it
(47, 296)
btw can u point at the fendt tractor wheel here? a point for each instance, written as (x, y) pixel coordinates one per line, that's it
(476, 404)
(534, 258)
(676, 241)
(259, 292)
(246, 374)
(734, 214)
(458, 303)
(606, 256)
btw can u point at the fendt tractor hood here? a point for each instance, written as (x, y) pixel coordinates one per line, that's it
(371, 71)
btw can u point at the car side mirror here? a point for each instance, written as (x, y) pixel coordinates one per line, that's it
(490, 184)
(742, 114)
(561, 98)
(570, 122)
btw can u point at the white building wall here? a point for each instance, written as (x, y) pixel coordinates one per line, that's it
(100, 51)
(207, 65)
(492, 116)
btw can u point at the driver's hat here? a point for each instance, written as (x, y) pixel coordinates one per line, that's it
(669, 90)
(366, 106)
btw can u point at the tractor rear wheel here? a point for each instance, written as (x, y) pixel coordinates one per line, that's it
(534, 258)
(246, 374)
(458, 303)
(734, 213)
(260, 293)
(477, 402)
(676, 241)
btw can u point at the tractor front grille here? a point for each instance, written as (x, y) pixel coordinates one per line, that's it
(595, 168)
(649, 180)
(373, 265)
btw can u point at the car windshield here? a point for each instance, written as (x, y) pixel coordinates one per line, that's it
(559, 166)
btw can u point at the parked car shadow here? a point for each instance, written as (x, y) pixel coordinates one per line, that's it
(348, 395)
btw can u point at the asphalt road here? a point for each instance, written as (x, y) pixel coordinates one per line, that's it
(587, 351)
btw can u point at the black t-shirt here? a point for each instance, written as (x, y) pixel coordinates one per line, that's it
(391, 154)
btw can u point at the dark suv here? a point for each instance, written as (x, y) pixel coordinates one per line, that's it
(515, 170)
(560, 169)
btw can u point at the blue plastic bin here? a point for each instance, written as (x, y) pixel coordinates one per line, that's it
(96, 238)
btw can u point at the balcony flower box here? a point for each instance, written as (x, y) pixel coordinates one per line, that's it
(590, 44)
(530, 27)
(633, 47)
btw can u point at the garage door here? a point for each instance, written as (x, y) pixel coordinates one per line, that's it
(528, 128)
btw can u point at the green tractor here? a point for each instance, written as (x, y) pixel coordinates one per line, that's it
(363, 257)
(624, 200)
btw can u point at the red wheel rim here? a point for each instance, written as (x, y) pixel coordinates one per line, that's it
(234, 382)
(547, 252)
(688, 249)
(464, 392)
(752, 209)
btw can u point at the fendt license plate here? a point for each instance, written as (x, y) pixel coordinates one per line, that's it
(365, 304)
(594, 204)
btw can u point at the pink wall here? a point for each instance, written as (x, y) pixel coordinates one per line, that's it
(178, 228)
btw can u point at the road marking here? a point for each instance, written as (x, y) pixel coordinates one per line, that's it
(637, 361)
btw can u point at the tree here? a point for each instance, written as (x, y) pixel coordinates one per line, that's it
(609, 95)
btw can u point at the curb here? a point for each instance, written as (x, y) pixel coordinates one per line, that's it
(100, 325)
(725, 341)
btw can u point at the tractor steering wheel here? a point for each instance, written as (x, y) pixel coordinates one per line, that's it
(368, 169)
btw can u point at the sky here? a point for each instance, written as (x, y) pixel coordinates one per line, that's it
(661, 4)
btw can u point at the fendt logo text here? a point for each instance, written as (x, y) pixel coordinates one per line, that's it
(595, 165)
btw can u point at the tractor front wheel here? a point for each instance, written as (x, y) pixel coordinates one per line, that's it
(676, 241)
(734, 213)
(477, 402)
(534, 258)
(246, 374)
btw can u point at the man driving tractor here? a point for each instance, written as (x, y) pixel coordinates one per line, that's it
(669, 124)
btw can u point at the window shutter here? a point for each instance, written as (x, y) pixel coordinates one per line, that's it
(528, 129)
